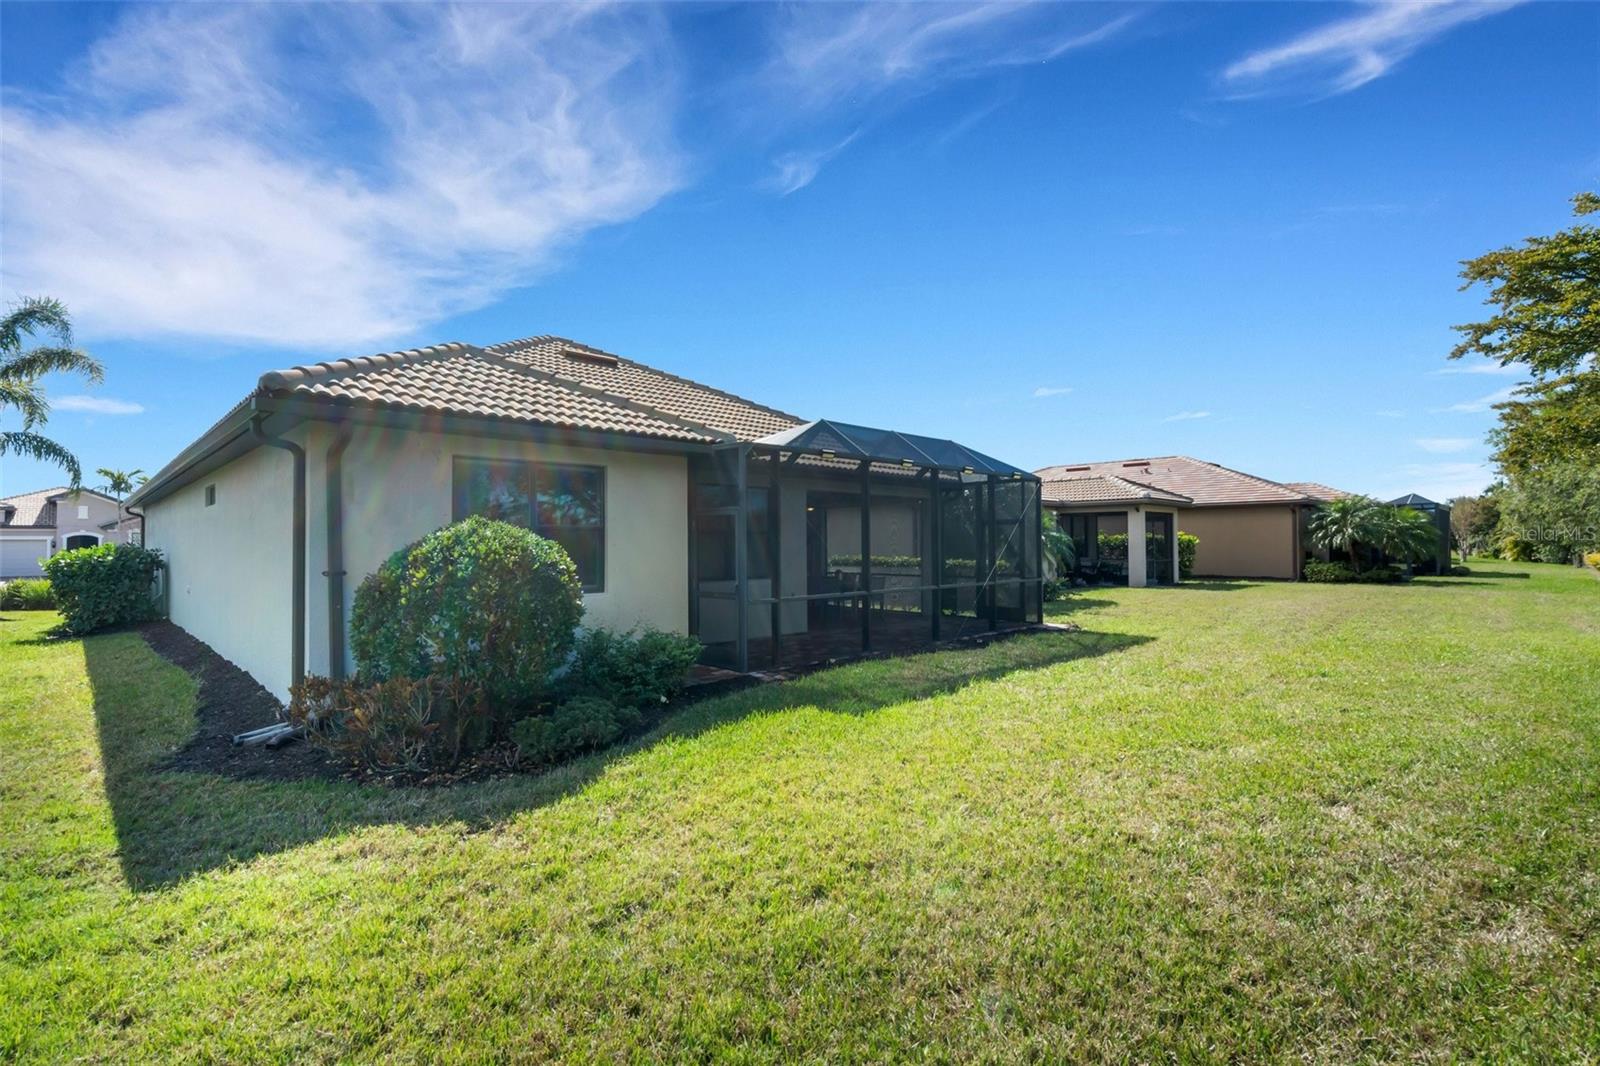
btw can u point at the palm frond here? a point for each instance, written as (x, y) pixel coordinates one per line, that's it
(42, 449)
(35, 314)
(26, 397)
(46, 359)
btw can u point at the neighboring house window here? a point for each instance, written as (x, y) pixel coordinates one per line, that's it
(81, 540)
(135, 538)
(211, 495)
(564, 503)
(83, 510)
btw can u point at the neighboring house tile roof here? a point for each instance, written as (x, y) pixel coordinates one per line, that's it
(1317, 491)
(1105, 488)
(1206, 484)
(37, 510)
(655, 389)
(460, 379)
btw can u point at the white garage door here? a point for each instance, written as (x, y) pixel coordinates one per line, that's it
(20, 556)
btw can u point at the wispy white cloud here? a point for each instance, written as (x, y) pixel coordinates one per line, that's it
(793, 171)
(1187, 416)
(1509, 370)
(826, 53)
(96, 405)
(847, 62)
(1051, 390)
(1444, 445)
(1482, 403)
(333, 176)
(1438, 481)
(1350, 52)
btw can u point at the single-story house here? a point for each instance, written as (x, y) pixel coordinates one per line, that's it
(36, 525)
(774, 539)
(1248, 526)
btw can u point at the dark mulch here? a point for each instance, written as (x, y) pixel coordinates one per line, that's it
(230, 702)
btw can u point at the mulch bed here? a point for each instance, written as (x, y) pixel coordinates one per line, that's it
(231, 701)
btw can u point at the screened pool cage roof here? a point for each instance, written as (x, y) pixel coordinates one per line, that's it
(841, 440)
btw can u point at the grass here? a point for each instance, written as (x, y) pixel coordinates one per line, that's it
(1226, 821)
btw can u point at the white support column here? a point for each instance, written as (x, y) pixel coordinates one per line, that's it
(1136, 560)
(1177, 573)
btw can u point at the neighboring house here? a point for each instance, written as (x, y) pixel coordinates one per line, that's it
(1248, 526)
(684, 507)
(36, 525)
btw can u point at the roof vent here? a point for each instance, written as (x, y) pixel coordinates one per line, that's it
(589, 355)
(1072, 469)
(1138, 462)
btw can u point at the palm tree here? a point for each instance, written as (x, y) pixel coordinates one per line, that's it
(20, 371)
(121, 482)
(1059, 548)
(1405, 533)
(1343, 524)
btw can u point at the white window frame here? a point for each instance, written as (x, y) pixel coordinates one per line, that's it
(62, 535)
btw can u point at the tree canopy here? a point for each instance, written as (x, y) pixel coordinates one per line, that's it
(20, 371)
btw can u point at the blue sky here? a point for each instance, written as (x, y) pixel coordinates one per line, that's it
(1054, 232)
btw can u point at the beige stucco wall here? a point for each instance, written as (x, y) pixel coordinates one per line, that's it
(228, 564)
(1243, 541)
(397, 488)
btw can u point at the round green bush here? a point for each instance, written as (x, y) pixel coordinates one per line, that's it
(480, 600)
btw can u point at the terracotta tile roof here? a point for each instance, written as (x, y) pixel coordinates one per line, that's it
(1207, 484)
(1105, 488)
(655, 389)
(460, 379)
(1317, 491)
(36, 510)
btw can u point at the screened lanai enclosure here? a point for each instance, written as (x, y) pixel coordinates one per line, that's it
(831, 540)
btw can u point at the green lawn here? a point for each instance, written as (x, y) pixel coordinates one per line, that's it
(1260, 821)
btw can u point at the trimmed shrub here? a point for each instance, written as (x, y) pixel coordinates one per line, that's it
(396, 725)
(1460, 571)
(879, 562)
(1328, 573)
(1592, 559)
(27, 594)
(107, 585)
(1381, 575)
(585, 723)
(483, 601)
(1113, 546)
(638, 668)
(1188, 544)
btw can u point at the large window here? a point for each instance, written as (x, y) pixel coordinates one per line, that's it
(565, 503)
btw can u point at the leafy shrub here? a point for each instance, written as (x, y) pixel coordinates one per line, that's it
(1055, 589)
(107, 585)
(1592, 559)
(1552, 552)
(27, 594)
(879, 562)
(632, 669)
(584, 723)
(396, 725)
(1188, 544)
(1113, 546)
(480, 600)
(1329, 573)
(1381, 575)
(1460, 571)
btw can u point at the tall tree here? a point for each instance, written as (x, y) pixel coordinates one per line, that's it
(121, 482)
(20, 371)
(1546, 296)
